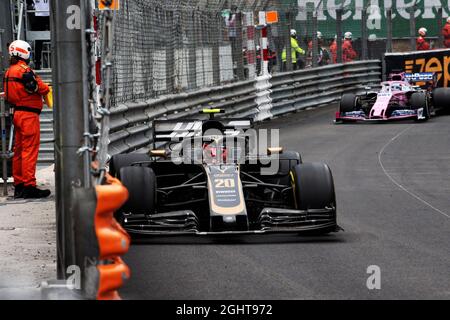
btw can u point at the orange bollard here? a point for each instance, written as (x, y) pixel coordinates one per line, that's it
(112, 277)
(113, 240)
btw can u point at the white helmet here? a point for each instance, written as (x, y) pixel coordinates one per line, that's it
(448, 20)
(319, 35)
(293, 33)
(20, 49)
(423, 31)
(348, 35)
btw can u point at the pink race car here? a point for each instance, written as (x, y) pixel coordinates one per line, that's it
(404, 96)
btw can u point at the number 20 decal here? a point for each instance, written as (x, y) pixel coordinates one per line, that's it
(224, 183)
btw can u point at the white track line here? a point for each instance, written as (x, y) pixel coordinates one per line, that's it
(380, 154)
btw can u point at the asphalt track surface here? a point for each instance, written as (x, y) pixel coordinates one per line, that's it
(393, 195)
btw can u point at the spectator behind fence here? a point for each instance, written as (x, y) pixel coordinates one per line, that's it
(271, 56)
(24, 91)
(296, 53)
(323, 56)
(230, 22)
(446, 33)
(348, 53)
(421, 42)
(333, 49)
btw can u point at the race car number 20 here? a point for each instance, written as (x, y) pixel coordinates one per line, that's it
(224, 183)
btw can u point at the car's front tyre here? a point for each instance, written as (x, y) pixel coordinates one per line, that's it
(314, 188)
(419, 100)
(349, 102)
(120, 161)
(141, 185)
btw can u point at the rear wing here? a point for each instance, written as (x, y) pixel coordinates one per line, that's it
(420, 76)
(425, 80)
(176, 130)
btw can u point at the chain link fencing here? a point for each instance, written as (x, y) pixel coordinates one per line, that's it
(376, 27)
(166, 47)
(163, 47)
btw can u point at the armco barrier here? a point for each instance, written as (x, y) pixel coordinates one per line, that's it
(313, 87)
(291, 91)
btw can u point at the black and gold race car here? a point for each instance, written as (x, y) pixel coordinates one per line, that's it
(208, 176)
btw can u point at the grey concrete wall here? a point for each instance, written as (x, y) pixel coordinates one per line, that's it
(7, 36)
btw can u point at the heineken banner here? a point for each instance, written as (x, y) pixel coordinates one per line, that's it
(437, 61)
(426, 15)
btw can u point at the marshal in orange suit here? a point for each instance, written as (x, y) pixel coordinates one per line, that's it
(24, 91)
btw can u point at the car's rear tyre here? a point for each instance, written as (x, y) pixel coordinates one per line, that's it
(141, 185)
(419, 100)
(119, 161)
(349, 102)
(314, 186)
(441, 98)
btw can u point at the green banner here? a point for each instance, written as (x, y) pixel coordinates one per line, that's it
(426, 15)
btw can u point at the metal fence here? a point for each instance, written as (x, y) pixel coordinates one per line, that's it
(375, 28)
(171, 46)
(165, 47)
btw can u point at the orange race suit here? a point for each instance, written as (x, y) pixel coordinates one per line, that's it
(24, 91)
(422, 44)
(348, 54)
(446, 35)
(333, 50)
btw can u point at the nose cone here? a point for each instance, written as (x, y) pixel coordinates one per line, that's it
(378, 110)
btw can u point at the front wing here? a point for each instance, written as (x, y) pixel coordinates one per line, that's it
(270, 220)
(357, 116)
